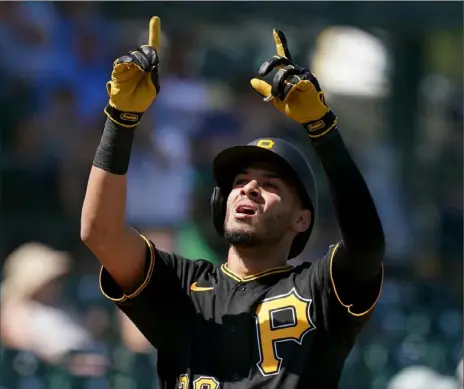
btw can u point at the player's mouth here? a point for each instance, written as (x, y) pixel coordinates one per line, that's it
(245, 211)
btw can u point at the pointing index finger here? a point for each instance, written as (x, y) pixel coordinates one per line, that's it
(154, 37)
(281, 44)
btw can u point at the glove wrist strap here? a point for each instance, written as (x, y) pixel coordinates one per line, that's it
(322, 126)
(124, 119)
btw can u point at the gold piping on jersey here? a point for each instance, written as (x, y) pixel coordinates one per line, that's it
(142, 285)
(348, 306)
(275, 270)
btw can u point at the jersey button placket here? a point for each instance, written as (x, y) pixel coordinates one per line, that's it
(236, 344)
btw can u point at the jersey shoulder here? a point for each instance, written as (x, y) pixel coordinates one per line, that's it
(310, 274)
(186, 269)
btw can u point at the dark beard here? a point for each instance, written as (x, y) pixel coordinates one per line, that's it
(242, 239)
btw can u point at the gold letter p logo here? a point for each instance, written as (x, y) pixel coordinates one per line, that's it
(270, 333)
(265, 143)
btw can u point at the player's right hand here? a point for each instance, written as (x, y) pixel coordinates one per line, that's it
(134, 81)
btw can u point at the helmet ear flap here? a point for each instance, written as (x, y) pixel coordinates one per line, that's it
(218, 209)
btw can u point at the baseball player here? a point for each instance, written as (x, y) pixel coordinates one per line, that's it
(255, 321)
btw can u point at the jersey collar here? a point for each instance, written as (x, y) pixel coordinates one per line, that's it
(236, 277)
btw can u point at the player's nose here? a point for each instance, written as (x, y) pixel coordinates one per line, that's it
(251, 190)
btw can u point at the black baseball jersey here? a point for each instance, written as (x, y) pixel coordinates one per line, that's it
(283, 328)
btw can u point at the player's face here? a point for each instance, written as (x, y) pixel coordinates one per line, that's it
(263, 209)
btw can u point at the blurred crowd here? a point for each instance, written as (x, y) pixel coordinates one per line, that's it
(57, 330)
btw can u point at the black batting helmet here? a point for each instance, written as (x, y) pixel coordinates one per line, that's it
(229, 162)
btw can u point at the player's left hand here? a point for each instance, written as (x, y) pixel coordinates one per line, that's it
(294, 90)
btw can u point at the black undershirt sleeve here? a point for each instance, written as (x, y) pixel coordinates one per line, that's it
(360, 254)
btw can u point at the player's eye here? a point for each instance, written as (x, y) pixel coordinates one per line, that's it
(270, 185)
(240, 182)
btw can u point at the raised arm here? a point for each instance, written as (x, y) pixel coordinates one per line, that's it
(356, 262)
(133, 87)
(361, 252)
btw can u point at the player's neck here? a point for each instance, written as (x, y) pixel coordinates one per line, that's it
(248, 261)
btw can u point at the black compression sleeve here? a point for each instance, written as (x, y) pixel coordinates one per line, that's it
(113, 153)
(361, 229)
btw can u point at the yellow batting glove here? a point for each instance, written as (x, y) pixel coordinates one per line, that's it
(134, 81)
(294, 90)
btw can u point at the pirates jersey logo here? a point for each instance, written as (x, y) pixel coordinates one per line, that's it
(271, 331)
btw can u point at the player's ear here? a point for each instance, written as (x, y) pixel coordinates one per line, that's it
(302, 220)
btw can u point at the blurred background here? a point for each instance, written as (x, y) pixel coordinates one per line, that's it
(393, 72)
